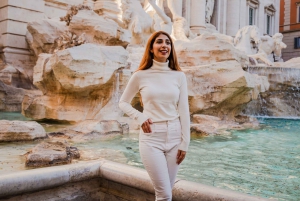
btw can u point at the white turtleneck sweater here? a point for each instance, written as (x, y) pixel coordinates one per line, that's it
(164, 95)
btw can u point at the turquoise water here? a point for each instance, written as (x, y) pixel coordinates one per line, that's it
(263, 162)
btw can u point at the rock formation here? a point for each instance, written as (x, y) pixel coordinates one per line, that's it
(90, 130)
(207, 49)
(20, 131)
(282, 98)
(205, 125)
(76, 83)
(51, 153)
(42, 34)
(222, 89)
(11, 97)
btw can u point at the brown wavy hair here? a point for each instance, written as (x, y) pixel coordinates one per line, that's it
(147, 60)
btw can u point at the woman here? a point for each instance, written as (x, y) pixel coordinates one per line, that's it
(165, 122)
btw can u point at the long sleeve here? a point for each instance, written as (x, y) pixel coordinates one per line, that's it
(130, 91)
(184, 114)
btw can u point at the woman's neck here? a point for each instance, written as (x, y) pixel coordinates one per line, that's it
(160, 65)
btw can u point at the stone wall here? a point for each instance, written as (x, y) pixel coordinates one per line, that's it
(14, 16)
(288, 39)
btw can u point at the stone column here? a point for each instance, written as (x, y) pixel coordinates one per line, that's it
(197, 20)
(233, 17)
(14, 17)
(277, 16)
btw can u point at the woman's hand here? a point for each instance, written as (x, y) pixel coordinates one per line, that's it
(180, 156)
(146, 126)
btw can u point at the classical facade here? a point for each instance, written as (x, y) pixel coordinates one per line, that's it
(290, 27)
(231, 15)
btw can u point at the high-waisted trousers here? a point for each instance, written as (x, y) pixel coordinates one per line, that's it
(158, 151)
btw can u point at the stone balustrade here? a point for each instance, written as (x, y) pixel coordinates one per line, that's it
(101, 180)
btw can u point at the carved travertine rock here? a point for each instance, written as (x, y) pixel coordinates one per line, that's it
(51, 153)
(11, 97)
(204, 125)
(20, 130)
(292, 63)
(222, 89)
(77, 83)
(98, 29)
(207, 49)
(87, 65)
(73, 10)
(89, 130)
(282, 98)
(109, 8)
(42, 34)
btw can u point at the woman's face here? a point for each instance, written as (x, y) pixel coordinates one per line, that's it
(161, 48)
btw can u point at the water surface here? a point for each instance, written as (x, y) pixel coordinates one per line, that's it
(263, 162)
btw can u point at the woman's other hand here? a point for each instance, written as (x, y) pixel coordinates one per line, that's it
(146, 126)
(180, 156)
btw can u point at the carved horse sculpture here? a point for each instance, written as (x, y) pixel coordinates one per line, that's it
(271, 45)
(266, 44)
(243, 38)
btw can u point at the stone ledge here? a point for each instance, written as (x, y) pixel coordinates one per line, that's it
(125, 176)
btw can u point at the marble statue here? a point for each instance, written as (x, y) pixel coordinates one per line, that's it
(266, 44)
(140, 23)
(209, 9)
(243, 38)
(271, 45)
(180, 29)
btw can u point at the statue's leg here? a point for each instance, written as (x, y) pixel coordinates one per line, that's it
(176, 8)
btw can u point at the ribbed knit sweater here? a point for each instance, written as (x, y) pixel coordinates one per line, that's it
(164, 95)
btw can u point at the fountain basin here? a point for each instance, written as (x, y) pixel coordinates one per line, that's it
(101, 180)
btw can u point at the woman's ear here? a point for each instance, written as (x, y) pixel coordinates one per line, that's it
(151, 50)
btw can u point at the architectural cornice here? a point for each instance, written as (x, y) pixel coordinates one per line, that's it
(270, 9)
(253, 3)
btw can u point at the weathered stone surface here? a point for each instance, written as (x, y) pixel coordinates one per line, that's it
(20, 130)
(15, 77)
(94, 129)
(97, 127)
(135, 56)
(292, 63)
(207, 49)
(87, 65)
(42, 34)
(77, 83)
(51, 153)
(99, 29)
(205, 125)
(282, 98)
(11, 97)
(222, 89)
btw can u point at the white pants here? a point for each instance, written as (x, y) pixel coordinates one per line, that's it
(158, 152)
